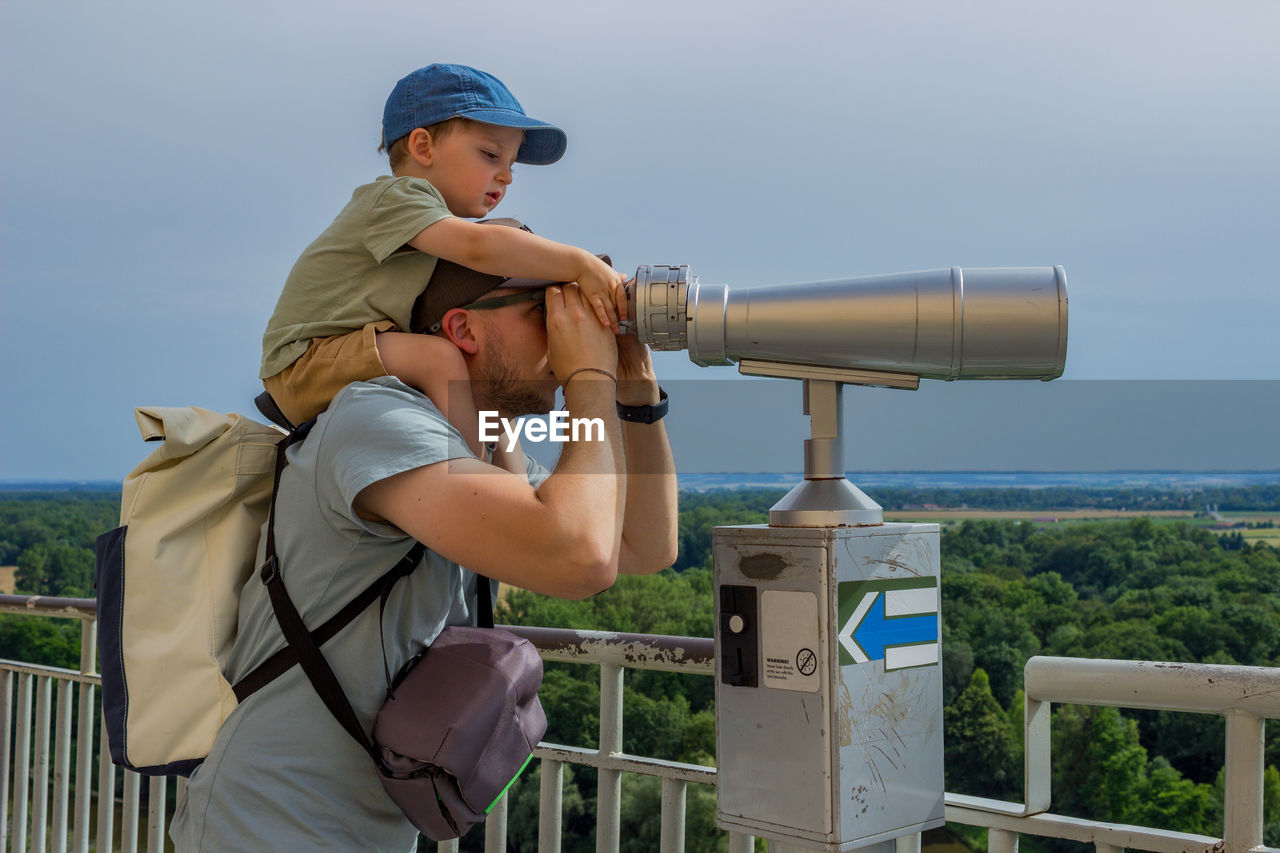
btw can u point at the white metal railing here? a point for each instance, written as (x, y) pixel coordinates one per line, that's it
(47, 797)
(1245, 695)
(32, 791)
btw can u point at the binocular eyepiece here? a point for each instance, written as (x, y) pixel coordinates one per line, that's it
(976, 323)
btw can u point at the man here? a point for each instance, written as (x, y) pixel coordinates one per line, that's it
(381, 469)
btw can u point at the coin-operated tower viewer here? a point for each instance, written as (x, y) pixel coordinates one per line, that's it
(828, 630)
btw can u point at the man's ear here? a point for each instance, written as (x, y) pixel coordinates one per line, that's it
(420, 146)
(456, 327)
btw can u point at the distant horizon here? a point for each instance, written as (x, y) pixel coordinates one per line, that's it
(1266, 475)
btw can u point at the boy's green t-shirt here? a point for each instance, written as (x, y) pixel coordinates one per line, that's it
(359, 271)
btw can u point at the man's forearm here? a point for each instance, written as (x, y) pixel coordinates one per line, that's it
(649, 540)
(589, 481)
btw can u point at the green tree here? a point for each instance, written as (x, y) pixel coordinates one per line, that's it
(981, 754)
(642, 817)
(1177, 803)
(57, 569)
(1099, 768)
(523, 810)
(29, 579)
(51, 642)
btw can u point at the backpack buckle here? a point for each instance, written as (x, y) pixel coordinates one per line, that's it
(270, 569)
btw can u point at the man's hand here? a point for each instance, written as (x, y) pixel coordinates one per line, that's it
(574, 339)
(637, 384)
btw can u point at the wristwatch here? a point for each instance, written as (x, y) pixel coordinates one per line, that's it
(645, 414)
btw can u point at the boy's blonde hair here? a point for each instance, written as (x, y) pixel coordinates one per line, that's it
(398, 150)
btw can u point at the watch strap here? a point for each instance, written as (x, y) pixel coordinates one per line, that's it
(647, 414)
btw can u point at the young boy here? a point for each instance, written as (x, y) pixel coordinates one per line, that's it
(452, 134)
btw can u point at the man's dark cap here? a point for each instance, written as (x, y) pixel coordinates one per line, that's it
(453, 286)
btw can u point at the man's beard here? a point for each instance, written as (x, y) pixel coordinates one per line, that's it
(497, 386)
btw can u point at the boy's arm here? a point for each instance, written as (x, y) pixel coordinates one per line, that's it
(514, 253)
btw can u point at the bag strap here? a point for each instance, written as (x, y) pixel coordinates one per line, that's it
(303, 645)
(280, 662)
(484, 606)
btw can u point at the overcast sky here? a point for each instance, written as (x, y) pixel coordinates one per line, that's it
(162, 165)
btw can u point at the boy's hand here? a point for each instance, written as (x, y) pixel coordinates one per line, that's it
(601, 287)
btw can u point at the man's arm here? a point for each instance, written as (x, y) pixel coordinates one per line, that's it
(561, 539)
(650, 539)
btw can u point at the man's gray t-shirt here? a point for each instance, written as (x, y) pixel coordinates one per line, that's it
(283, 774)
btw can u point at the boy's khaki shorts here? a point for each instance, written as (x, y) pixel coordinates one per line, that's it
(305, 388)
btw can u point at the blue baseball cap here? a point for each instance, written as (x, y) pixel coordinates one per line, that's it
(440, 92)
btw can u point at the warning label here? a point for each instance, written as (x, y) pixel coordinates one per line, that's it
(789, 640)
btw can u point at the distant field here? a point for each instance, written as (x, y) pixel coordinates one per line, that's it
(6, 579)
(1027, 514)
(1270, 536)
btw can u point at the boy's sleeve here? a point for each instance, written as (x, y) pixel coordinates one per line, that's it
(399, 213)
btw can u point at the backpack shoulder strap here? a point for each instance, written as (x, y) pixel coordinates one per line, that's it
(280, 662)
(283, 660)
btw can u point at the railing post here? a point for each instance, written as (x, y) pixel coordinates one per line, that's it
(61, 767)
(609, 796)
(129, 814)
(907, 843)
(157, 790)
(673, 798)
(1242, 817)
(740, 843)
(6, 719)
(106, 792)
(22, 767)
(1002, 841)
(1036, 763)
(495, 827)
(550, 805)
(84, 738)
(40, 787)
(84, 769)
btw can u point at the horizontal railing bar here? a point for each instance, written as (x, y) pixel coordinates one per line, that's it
(1197, 687)
(48, 605)
(695, 773)
(633, 651)
(49, 671)
(1081, 829)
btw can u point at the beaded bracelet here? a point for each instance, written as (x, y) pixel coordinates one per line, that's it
(599, 370)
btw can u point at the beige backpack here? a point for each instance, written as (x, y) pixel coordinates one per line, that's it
(169, 581)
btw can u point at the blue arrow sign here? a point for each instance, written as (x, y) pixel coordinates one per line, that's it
(890, 619)
(876, 630)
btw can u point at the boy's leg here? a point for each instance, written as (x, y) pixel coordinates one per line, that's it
(436, 368)
(305, 388)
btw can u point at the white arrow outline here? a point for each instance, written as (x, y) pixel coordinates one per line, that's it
(846, 633)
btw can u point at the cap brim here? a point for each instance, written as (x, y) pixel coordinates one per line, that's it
(543, 143)
(453, 286)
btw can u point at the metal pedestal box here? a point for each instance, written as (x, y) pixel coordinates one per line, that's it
(828, 683)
